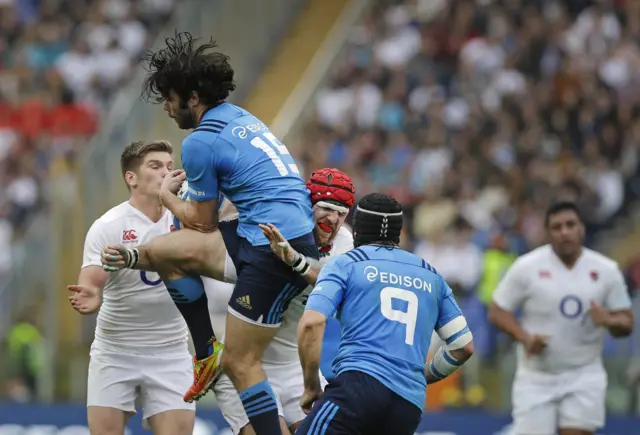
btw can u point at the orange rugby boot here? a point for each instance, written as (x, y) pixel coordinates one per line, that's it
(205, 373)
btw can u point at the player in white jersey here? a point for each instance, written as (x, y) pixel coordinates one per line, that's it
(140, 350)
(569, 297)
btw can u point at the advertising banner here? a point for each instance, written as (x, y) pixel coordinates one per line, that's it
(72, 420)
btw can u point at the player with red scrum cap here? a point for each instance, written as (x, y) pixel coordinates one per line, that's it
(332, 195)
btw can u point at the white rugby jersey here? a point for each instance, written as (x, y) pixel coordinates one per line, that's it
(555, 301)
(136, 309)
(284, 347)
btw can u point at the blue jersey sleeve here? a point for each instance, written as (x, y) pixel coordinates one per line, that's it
(199, 163)
(328, 293)
(448, 308)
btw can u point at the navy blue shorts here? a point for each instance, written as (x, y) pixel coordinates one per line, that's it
(355, 403)
(266, 285)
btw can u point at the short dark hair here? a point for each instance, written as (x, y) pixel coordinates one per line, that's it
(183, 67)
(377, 219)
(559, 207)
(134, 153)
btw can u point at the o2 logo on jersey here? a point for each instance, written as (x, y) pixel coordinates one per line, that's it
(274, 150)
(408, 318)
(571, 307)
(145, 279)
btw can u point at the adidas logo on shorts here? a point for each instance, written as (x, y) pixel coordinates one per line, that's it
(244, 301)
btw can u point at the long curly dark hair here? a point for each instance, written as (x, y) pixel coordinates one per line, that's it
(184, 67)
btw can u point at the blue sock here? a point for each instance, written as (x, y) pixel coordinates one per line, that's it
(259, 403)
(189, 296)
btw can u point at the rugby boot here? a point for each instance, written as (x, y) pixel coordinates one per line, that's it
(205, 373)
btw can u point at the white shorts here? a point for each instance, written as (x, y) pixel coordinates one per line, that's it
(157, 378)
(287, 383)
(543, 402)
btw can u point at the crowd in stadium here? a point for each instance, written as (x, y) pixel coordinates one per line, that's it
(61, 62)
(478, 113)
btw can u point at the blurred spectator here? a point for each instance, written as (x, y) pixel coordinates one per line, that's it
(61, 63)
(633, 276)
(25, 349)
(450, 250)
(6, 237)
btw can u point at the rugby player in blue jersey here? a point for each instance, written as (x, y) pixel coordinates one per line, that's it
(389, 302)
(233, 153)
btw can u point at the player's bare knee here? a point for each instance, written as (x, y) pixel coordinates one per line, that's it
(107, 428)
(174, 422)
(171, 275)
(106, 421)
(180, 427)
(237, 365)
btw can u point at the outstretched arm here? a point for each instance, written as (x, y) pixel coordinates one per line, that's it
(116, 257)
(86, 295)
(307, 267)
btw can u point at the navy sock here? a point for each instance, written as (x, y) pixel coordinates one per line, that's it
(261, 407)
(189, 296)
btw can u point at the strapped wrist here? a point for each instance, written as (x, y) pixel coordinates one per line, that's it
(301, 265)
(133, 256)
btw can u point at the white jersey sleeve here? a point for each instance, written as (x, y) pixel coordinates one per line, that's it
(97, 238)
(617, 297)
(512, 289)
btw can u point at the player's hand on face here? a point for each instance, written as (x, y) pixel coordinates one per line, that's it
(279, 245)
(84, 300)
(172, 181)
(535, 344)
(309, 398)
(599, 314)
(114, 257)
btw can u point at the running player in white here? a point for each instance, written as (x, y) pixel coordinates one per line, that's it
(140, 350)
(569, 296)
(332, 194)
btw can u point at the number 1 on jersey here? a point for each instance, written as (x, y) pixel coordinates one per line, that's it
(270, 150)
(408, 318)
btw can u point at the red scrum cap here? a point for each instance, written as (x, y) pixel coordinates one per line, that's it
(329, 186)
